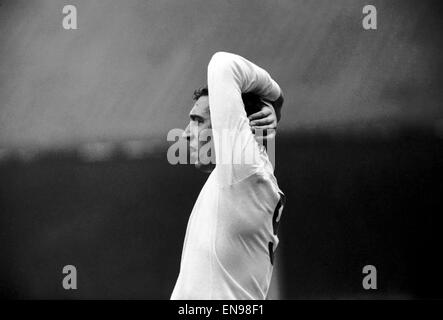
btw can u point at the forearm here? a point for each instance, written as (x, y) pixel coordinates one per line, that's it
(249, 77)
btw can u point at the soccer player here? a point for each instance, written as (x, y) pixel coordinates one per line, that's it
(231, 235)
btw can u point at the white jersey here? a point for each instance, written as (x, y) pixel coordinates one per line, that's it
(231, 235)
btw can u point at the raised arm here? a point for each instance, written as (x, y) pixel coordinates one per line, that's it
(250, 77)
(230, 75)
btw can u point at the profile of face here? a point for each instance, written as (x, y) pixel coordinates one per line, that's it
(199, 135)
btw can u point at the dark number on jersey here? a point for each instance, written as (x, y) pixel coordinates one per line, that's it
(275, 223)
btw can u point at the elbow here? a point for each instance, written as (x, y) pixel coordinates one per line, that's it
(221, 62)
(222, 57)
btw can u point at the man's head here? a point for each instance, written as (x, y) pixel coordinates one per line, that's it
(199, 133)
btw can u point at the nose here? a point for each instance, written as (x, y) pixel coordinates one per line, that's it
(187, 133)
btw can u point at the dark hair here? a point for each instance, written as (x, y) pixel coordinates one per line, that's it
(200, 92)
(251, 101)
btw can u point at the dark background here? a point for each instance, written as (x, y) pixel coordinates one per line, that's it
(84, 116)
(353, 199)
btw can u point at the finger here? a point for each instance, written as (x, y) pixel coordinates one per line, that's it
(262, 122)
(261, 114)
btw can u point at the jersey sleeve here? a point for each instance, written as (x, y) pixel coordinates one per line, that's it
(237, 151)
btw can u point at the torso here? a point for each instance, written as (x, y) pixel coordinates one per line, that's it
(226, 253)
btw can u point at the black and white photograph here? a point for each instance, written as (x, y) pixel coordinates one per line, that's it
(221, 150)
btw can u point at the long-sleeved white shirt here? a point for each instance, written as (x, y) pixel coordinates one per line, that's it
(231, 235)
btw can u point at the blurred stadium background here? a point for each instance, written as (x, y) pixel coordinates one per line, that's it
(84, 116)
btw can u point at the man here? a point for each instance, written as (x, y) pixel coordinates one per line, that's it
(232, 231)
